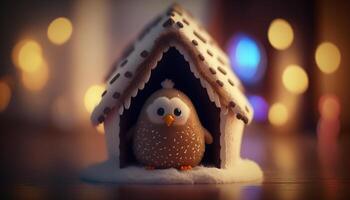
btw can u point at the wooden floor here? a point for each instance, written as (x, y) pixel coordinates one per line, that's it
(42, 163)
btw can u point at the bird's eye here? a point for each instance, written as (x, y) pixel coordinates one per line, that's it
(160, 111)
(177, 112)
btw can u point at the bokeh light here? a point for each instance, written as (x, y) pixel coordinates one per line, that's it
(15, 52)
(36, 80)
(93, 96)
(328, 131)
(100, 128)
(60, 30)
(328, 126)
(27, 55)
(247, 58)
(329, 107)
(327, 57)
(260, 107)
(295, 79)
(280, 34)
(278, 114)
(5, 95)
(285, 155)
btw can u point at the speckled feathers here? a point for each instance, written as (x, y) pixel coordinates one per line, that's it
(162, 146)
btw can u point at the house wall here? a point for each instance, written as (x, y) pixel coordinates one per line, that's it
(111, 126)
(231, 138)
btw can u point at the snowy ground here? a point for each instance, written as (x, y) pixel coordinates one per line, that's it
(244, 171)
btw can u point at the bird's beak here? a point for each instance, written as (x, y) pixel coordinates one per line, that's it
(169, 119)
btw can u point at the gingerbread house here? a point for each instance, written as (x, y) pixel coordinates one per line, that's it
(175, 46)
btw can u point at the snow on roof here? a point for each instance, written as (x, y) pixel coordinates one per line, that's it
(175, 28)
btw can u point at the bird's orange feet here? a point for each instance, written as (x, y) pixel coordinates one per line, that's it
(185, 167)
(149, 167)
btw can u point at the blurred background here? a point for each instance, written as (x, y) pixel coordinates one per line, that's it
(292, 57)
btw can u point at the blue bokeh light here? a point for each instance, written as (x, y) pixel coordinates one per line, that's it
(247, 58)
(260, 107)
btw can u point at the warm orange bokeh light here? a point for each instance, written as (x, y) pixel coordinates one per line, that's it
(100, 129)
(280, 34)
(5, 95)
(327, 57)
(36, 80)
(27, 55)
(93, 96)
(295, 79)
(329, 107)
(278, 114)
(60, 30)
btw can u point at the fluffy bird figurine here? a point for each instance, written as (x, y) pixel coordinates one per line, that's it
(168, 132)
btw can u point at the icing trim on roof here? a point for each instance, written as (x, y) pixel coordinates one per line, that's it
(175, 28)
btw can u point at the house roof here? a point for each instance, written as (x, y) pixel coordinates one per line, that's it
(174, 28)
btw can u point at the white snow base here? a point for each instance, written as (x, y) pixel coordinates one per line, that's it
(107, 172)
